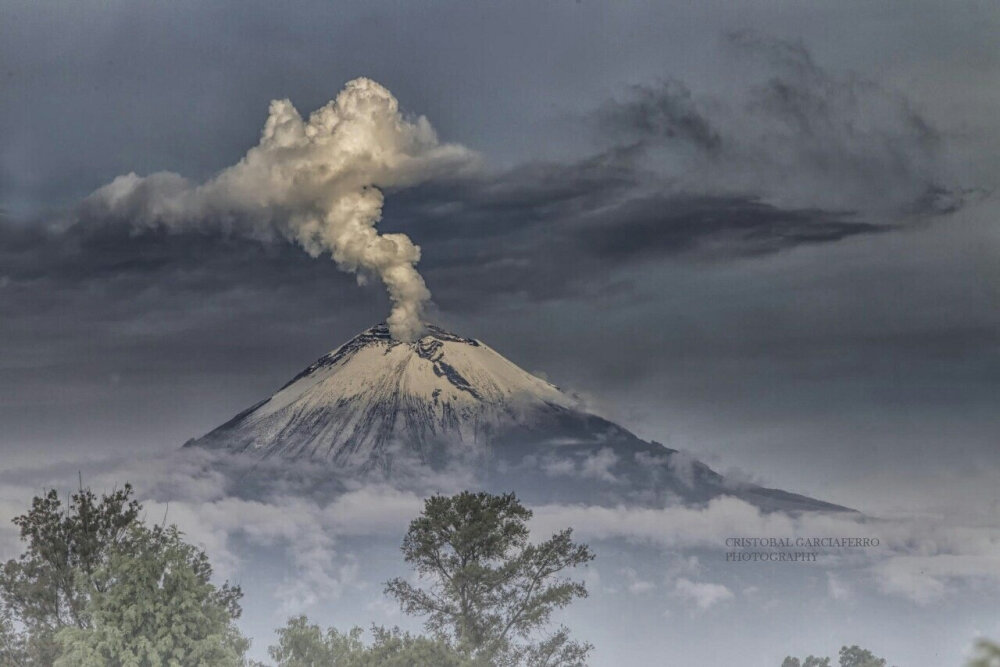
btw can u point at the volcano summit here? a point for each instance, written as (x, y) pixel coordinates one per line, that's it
(442, 400)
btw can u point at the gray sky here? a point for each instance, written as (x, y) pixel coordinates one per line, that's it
(766, 234)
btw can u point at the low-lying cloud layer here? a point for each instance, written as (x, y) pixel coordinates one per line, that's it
(320, 523)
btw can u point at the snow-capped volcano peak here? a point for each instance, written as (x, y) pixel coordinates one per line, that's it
(439, 368)
(372, 394)
(443, 399)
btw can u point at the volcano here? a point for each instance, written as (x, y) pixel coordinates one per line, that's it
(376, 403)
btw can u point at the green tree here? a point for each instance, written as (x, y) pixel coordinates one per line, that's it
(810, 661)
(395, 648)
(855, 656)
(47, 588)
(488, 590)
(302, 644)
(12, 651)
(96, 587)
(850, 656)
(154, 604)
(987, 654)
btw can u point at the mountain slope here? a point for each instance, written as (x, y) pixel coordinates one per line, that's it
(372, 395)
(375, 403)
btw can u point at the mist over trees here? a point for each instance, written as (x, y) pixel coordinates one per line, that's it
(98, 587)
(487, 596)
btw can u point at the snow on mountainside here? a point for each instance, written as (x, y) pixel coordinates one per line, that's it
(375, 401)
(373, 394)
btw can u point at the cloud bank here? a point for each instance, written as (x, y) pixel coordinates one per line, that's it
(322, 523)
(317, 182)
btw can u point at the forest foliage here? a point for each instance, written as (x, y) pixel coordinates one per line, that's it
(96, 586)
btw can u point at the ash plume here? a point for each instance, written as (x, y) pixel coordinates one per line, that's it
(317, 182)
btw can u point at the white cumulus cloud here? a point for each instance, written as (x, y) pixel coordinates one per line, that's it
(702, 594)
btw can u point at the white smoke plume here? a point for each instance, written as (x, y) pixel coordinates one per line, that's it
(317, 182)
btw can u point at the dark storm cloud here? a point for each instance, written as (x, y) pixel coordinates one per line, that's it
(663, 112)
(155, 337)
(548, 230)
(84, 295)
(718, 226)
(683, 176)
(794, 132)
(508, 202)
(798, 156)
(95, 254)
(540, 231)
(834, 109)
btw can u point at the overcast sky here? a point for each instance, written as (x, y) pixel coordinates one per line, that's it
(765, 233)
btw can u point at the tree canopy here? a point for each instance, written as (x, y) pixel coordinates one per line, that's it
(987, 654)
(486, 588)
(850, 656)
(302, 644)
(96, 587)
(155, 604)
